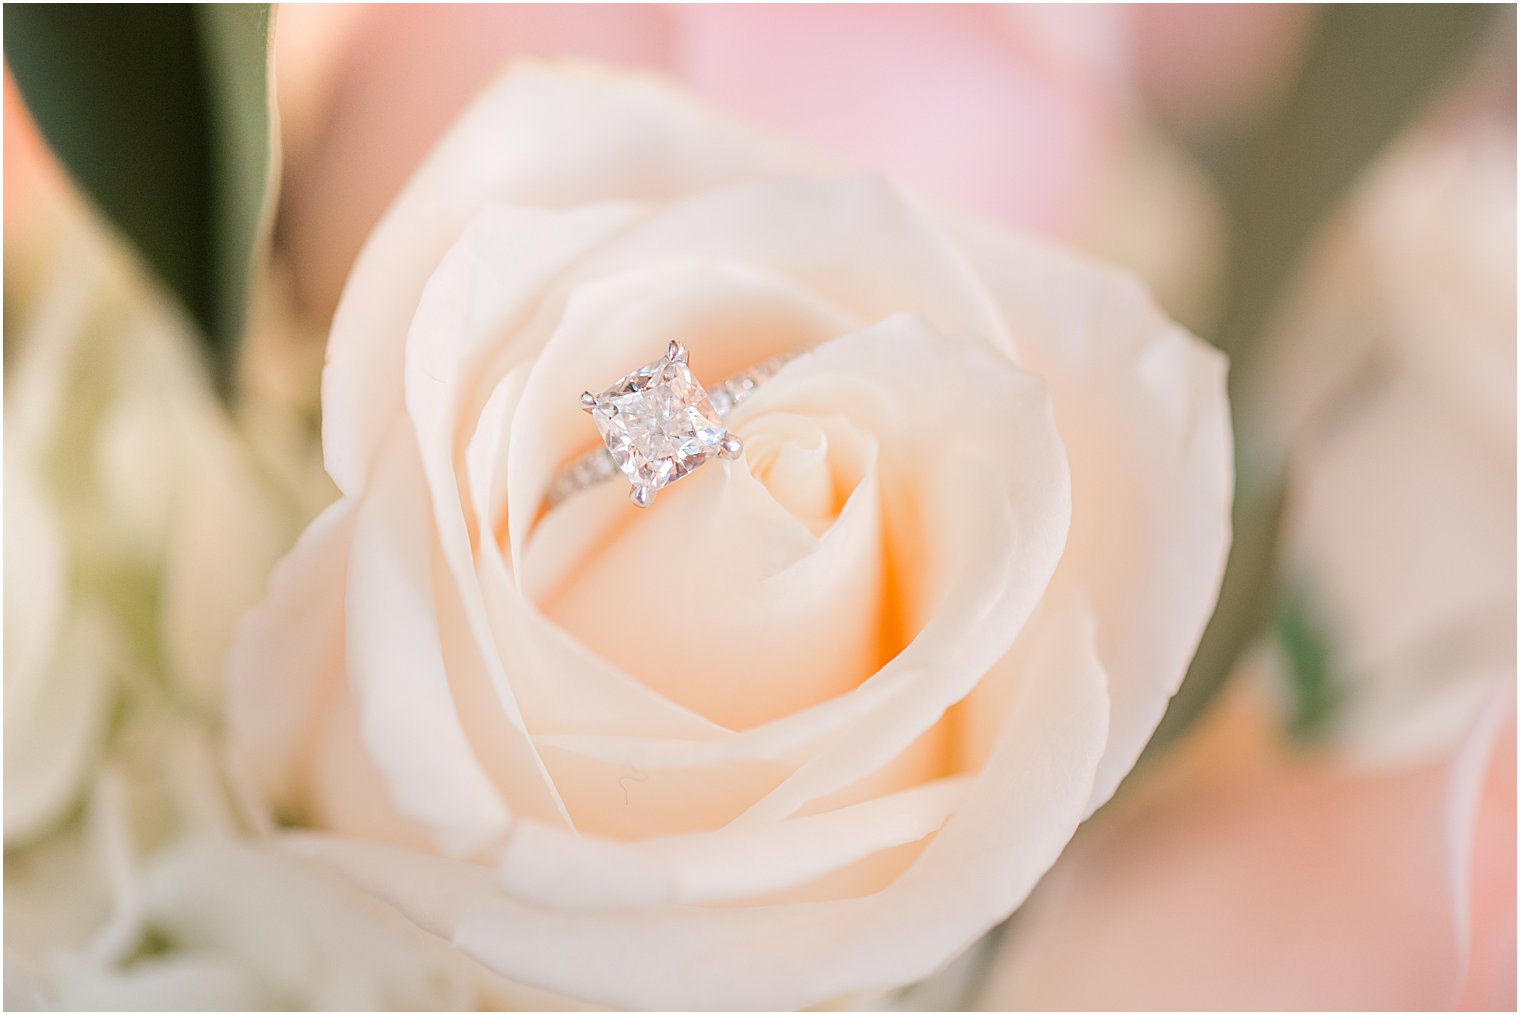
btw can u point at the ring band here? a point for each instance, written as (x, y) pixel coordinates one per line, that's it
(658, 425)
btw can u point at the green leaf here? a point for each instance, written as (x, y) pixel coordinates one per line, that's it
(1368, 72)
(161, 114)
(1315, 693)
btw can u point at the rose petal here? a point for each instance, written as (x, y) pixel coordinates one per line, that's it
(1141, 408)
(740, 570)
(293, 722)
(1015, 820)
(954, 470)
(859, 242)
(286, 661)
(464, 310)
(342, 788)
(418, 680)
(562, 872)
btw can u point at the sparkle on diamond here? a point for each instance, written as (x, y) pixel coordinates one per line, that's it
(658, 428)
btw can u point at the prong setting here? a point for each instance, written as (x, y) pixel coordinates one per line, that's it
(731, 446)
(588, 401)
(642, 496)
(676, 352)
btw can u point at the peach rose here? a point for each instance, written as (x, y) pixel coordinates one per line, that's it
(823, 715)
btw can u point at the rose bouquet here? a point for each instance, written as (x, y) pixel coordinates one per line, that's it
(977, 636)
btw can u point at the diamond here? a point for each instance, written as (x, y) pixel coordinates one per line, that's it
(658, 423)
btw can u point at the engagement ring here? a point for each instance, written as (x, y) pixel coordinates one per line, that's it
(659, 424)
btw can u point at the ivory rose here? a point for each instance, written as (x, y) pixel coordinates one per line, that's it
(823, 715)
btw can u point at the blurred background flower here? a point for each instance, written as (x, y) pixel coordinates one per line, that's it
(1343, 819)
(143, 515)
(1026, 113)
(1328, 194)
(1241, 872)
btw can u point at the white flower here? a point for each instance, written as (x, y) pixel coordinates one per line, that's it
(1401, 357)
(822, 716)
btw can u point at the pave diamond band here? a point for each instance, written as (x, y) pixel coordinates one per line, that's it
(658, 424)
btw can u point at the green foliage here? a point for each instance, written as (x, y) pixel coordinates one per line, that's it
(162, 115)
(1307, 655)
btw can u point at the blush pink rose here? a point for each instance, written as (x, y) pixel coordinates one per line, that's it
(1010, 111)
(1243, 876)
(1200, 64)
